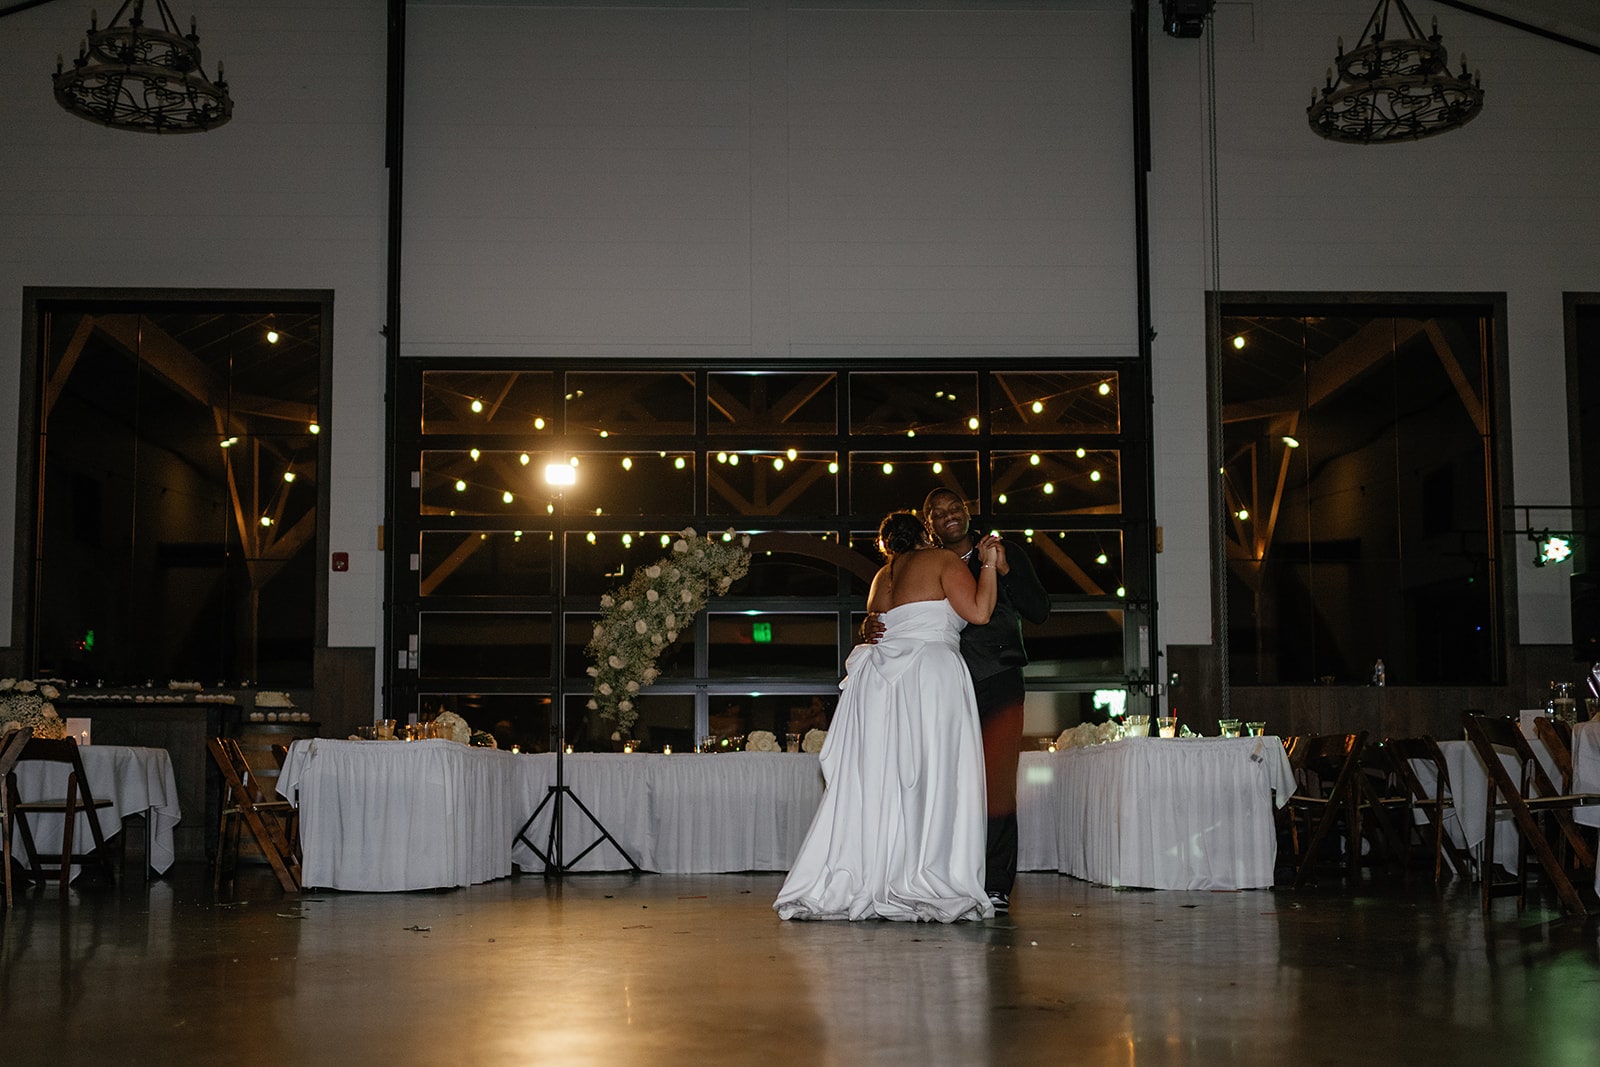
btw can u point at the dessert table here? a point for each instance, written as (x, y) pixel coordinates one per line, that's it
(137, 781)
(1159, 813)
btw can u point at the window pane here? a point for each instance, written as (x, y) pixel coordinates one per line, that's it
(486, 563)
(677, 659)
(774, 644)
(520, 719)
(487, 402)
(498, 483)
(768, 402)
(631, 483)
(782, 713)
(1058, 483)
(1360, 497)
(1075, 644)
(881, 482)
(484, 645)
(778, 482)
(608, 403)
(795, 564)
(1055, 402)
(599, 561)
(1074, 562)
(664, 719)
(911, 403)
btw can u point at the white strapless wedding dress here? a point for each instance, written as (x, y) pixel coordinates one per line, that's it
(900, 833)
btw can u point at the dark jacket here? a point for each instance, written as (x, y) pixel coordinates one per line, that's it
(997, 644)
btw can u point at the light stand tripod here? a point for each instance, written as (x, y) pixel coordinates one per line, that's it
(556, 864)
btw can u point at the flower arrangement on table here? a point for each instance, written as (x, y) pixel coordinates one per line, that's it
(640, 620)
(1090, 733)
(25, 703)
(762, 741)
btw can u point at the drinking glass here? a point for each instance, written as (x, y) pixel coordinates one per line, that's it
(1255, 729)
(1167, 725)
(1228, 727)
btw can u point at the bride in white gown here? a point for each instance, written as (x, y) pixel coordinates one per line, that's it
(900, 833)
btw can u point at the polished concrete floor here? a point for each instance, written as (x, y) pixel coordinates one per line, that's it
(615, 969)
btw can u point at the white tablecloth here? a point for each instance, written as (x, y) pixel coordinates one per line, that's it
(1155, 812)
(378, 815)
(679, 814)
(137, 781)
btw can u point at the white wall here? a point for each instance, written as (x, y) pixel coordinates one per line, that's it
(290, 194)
(768, 180)
(1506, 204)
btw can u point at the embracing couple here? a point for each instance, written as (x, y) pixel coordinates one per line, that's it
(919, 818)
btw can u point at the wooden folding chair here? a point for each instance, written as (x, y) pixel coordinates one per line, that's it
(243, 802)
(1556, 736)
(1326, 792)
(1527, 796)
(10, 751)
(79, 798)
(1435, 807)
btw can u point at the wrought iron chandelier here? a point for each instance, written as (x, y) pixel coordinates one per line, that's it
(134, 76)
(1394, 89)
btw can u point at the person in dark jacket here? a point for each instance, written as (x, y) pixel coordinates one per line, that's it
(995, 656)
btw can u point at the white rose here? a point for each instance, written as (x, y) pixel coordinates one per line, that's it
(627, 605)
(688, 595)
(26, 686)
(657, 640)
(605, 689)
(672, 635)
(599, 631)
(607, 600)
(653, 571)
(48, 711)
(652, 596)
(650, 675)
(616, 735)
(633, 687)
(671, 621)
(624, 705)
(592, 706)
(641, 627)
(723, 584)
(8, 683)
(49, 692)
(593, 672)
(689, 533)
(616, 662)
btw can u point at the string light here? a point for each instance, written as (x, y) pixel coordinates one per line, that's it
(1049, 488)
(288, 476)
(266, 520)
(507, 497)
(888, 468)
(627, 463)
(791, 453)
(314, 428)
(1105, 388)
(272, 337)
(1033, 460)
(474, 454)
(1081, 453)
(833, 468)
(538, 422)
(972, 423)
(1094, 476)
(461, 486)
(1101, 559)
(477, 406)
(524, 459)
(777, 463)
(1038, 407)
(679, 463)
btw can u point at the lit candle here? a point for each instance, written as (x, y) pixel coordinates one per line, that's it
(569, 750)
(666, 750)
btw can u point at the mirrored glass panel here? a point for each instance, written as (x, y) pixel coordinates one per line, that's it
(486, 563)
(484, 644)
(911, 403)
(1073, 562)
(488, 403)
(1075, 402)
(1077, 482)
(772, 402)
(599, 561)
(608, 403)
(798, 564)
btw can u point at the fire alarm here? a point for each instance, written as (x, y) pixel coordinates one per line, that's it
(341, 561)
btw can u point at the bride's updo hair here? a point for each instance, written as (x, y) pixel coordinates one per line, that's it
(902, 531)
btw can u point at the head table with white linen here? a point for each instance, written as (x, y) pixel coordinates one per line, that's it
(137, 781)
(1159, 813)
(380, 815)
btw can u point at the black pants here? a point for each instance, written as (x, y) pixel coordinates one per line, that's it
(1000, 698)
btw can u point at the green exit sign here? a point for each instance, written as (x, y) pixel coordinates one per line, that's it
(761, 633)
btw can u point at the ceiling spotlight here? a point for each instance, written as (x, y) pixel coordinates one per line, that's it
(560, 474)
